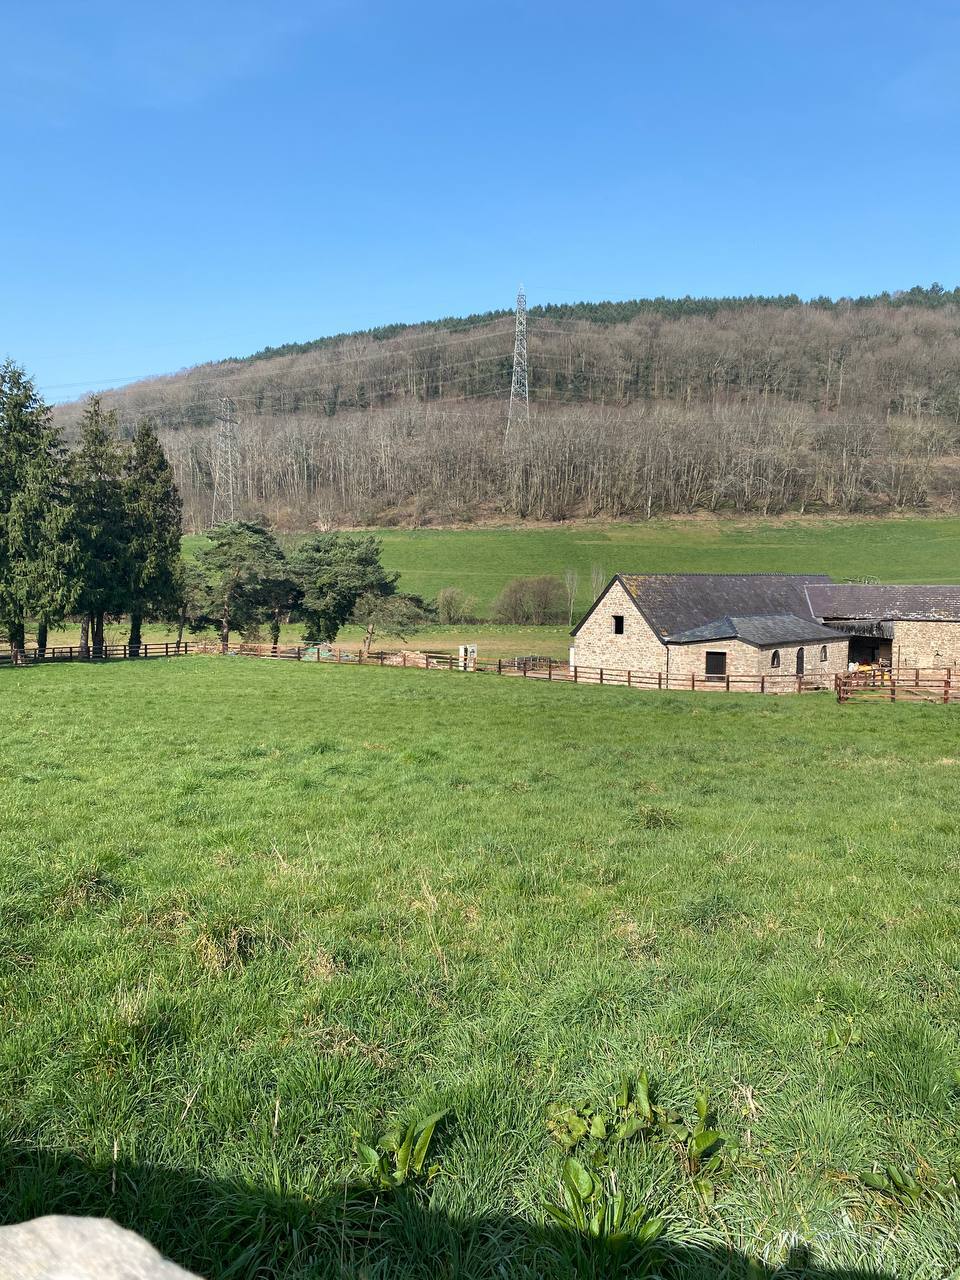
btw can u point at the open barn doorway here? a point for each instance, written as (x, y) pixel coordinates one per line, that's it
(870, 650)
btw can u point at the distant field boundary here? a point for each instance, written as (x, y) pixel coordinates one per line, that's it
(526, 668)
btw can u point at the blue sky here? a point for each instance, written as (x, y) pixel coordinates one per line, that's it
(189, 181)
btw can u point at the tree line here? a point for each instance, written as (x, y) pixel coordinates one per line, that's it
(89, 533)
(641, 409)
(244, 580)
(889, 355)
(440, 464)
(95, 533)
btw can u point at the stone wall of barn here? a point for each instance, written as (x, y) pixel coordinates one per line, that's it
(746, 660)
(691, 659)
(926, 644)
(597, 645)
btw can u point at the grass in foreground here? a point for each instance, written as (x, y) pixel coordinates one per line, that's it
(252, 909)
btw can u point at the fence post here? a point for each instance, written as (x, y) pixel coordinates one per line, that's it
(799, 684)
(893, 688)
(381, 657)
(628, 678)
(574, 673)
(601, 675)
(946, 687)
(404, 657)
(727, 682)
(549, 668)
(659, 679)
(524, 668)
(763, 684)
(338, 655)
(693, 680)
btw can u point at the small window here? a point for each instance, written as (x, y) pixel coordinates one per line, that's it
(775, 658)
(823, 653)
(618, 624)
(716, 665)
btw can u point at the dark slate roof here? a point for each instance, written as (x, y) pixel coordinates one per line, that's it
(758, 630)
(883, 603)
(674, 602)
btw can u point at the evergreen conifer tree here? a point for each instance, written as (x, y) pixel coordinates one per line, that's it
(36, 570)
(100, 525)
(153, 523)
(332, 572)
(243, 565)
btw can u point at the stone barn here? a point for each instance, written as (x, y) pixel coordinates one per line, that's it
(710, 626)
(903, 626)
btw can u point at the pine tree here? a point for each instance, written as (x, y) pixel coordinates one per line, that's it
(332, 572)
(35, 553)
(43, 553)
(100, 527)
(243, 566)
(153, 521)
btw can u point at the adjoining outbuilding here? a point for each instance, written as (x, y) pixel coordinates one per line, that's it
(896, 625)
(710, 626)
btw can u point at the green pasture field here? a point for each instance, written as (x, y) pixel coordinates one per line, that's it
(252, 909)
(482, 560)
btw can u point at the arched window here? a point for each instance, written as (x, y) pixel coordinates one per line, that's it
(823, 653)
(775, 658)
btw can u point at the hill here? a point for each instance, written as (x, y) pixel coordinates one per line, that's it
(638, 408)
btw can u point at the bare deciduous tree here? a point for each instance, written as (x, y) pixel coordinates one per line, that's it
(571, 581)
(745, 406)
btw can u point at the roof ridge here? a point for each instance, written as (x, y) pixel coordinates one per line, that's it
(804, 576)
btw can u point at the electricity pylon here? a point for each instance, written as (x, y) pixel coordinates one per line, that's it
(226, 463)
(519, 391)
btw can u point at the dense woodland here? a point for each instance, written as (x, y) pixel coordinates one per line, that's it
(638, 408)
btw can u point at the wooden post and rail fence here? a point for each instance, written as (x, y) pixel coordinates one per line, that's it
(899, 684)
(904, 684)
(27, 657)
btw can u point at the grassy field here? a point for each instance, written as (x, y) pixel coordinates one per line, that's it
(251, 909)
(481, 561)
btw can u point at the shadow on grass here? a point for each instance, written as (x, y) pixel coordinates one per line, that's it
(224, 1229)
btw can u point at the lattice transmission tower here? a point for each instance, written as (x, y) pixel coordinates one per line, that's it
(519, 412)
(226, 467)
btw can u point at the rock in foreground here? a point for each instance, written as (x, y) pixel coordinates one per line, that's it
(62, 1248)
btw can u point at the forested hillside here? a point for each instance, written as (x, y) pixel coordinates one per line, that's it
(638, 408)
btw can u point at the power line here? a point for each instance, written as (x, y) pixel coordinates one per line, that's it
(386, 385)
(475, 335)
